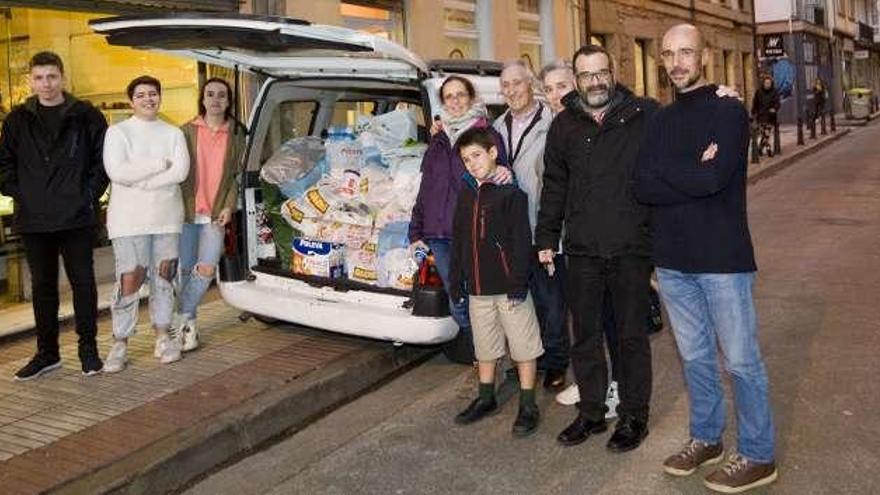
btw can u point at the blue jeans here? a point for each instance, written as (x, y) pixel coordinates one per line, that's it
(708, 310)
(549, 296)
(200, 244)
(442, 257)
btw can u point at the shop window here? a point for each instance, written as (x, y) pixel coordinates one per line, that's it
(384, 21)
(460, 28)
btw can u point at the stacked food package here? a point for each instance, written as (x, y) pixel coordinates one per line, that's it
(353, 194)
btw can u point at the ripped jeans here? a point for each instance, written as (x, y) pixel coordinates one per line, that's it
(201, 244)
(141, 258)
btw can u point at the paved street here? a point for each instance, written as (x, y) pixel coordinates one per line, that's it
(816, 227)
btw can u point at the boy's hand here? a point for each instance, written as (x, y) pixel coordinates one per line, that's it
(502, 175)
(513, 302)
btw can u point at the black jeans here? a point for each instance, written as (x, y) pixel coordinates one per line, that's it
(75, 247)
(548, 294)
(626, 279)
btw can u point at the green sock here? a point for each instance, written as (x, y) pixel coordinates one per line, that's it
(526, 397)
(487, 390)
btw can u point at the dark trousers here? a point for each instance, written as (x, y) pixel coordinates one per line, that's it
(626, 278)
(549, 296)
(42, 251)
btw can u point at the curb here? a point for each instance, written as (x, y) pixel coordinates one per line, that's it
(181, 458)
(789, 160)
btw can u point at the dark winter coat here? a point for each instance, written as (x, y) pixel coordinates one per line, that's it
(54, 181)
(765, 104)
(492, 242)
(588, 171)
(442, 173)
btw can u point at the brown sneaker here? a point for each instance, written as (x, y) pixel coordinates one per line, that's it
(740, 474)
(692, 456)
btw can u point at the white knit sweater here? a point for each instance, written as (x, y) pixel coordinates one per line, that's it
(146, 162)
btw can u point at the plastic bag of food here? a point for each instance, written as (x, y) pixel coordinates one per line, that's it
(361, 262)
(344, 152)
(389, 130)
(396, 269)
(295, 166)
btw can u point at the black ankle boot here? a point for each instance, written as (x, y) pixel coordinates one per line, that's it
(477, 410)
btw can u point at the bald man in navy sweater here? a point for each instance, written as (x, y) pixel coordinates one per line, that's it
(692, 171)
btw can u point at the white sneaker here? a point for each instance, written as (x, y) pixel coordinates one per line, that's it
(611, 401)
(190, 334)
(117, 357)
(570, 396)
(167, 349)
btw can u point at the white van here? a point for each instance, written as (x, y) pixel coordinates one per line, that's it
(315, 75)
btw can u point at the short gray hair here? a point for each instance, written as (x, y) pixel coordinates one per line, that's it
(521, 64)
(553, 66)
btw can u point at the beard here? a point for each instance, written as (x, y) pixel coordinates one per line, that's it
(685, 84)
(597, 95)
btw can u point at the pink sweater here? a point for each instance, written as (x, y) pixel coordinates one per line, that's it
(210, 155)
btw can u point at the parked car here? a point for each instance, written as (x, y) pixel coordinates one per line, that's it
(315, 76)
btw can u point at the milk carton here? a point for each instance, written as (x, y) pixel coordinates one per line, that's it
(317, 258)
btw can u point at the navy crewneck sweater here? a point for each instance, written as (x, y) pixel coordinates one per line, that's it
(698, 213)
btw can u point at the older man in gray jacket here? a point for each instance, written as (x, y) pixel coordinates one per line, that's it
(524, 129)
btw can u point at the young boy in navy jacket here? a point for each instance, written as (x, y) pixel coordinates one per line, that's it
(491, 245)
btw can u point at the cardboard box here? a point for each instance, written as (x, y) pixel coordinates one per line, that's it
(318, 258)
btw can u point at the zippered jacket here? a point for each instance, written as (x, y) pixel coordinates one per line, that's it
(442, 174)
(491, 242)
(588, 179)
(54, 181)
(527, 156)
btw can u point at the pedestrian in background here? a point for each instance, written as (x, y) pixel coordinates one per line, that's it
(51, 166)
(491, 251)
(146, 159)
(523, 127)
(590, 156)
(215, 144)
(693, 173)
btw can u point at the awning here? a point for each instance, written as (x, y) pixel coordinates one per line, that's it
(129, 6)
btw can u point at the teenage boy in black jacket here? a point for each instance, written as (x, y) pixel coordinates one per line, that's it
(51, 165)
(491, 246)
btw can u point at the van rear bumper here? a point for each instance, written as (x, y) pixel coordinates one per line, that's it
(354, 312)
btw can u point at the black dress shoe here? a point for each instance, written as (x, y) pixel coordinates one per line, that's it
(554, 379)
(628, 434)
(527, 420)
(581, 429)
(477, 410)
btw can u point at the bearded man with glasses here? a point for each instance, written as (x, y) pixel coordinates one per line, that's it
(591, 152)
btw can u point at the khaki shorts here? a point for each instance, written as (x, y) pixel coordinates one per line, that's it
(496, 327)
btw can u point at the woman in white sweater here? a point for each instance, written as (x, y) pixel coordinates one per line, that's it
(146, 160)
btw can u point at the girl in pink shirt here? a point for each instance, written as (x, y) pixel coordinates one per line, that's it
(216, 143)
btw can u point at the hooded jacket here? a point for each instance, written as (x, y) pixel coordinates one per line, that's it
(55, 181)
(527, 156)
(442, 174)
(588, 179)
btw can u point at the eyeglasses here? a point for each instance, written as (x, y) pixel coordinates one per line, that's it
(601, 75)
(456, 96)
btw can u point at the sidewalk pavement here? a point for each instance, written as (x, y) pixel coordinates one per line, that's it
(153, 427)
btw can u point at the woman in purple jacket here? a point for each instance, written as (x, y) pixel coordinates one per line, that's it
(442, 177)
